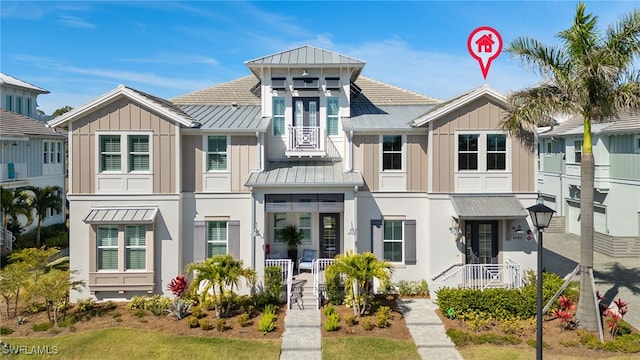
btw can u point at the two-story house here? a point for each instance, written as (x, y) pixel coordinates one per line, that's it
(305, 139)
(616, 150)
(31, 154)
(19, 96)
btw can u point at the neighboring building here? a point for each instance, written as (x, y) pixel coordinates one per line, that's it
(357, 164)
(616, 150)
(19, 96)
(31, 154)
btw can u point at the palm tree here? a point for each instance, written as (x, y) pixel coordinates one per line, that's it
(43, 199)
(360, 269)
(12, 204)
(589, 74)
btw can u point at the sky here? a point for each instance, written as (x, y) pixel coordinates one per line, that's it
(79, 50)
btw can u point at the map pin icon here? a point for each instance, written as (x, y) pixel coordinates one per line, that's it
(484, 45)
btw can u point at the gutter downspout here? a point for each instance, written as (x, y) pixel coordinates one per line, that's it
(260, 151)
(350, 157)
(253, 230)
(355, 218)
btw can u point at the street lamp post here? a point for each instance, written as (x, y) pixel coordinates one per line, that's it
(541, 217)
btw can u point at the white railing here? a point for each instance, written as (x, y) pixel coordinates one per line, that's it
(305, 138)
(13, 171)
(286, 270)
(317, 269)
(483, 276)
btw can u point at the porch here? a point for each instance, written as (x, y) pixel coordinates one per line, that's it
(508, 275)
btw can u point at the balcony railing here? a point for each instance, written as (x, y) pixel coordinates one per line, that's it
(13, 171)
(306, 141)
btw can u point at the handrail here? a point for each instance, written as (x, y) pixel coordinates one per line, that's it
(446, 271)
(286, 271)
(319, 265)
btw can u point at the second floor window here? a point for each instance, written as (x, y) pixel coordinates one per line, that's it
(19, 108)
(216, 238)
(139, 153)
(110, 153)
(278, 116)
(468, 152)
(392, 152)
(8, 104)
(217, 153)
(578, 151)
(332, 116)
(496, 152)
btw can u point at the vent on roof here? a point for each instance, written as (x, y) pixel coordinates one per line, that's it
(333, 83)
(278, 83)
(305, 83)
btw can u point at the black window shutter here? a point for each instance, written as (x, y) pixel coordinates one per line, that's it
(233, 241)
(376, 238)
(199, 240)
(410, 242)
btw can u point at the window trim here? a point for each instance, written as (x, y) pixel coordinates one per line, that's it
(483, 151)
(131, 153)
(333, 117)
(135, 247)
(124, 152)
(577, 158)
(278, 117)
(227, 152)
(476, 152)
(109, 247)
(488, 152)
(212, 242)
(402, 152)
(276, 228)
(401, 241)
(304, 240)
(8, 102)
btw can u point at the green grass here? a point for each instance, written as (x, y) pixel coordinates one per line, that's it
(139, 344)
(493, 352)
(374, 348)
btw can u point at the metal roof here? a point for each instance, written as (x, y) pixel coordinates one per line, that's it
(304, 173)
(10, 80)
(488, 207)
(377, 118)
(124, 215)
(14, 125)
(305, 55)
(626, 123)
(227, 118)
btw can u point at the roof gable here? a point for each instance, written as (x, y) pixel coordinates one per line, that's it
(305, 55)
(11, 81)
(458, 101)
(154, 103)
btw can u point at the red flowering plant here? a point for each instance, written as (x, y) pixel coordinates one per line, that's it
(563, 313)
(613, 317)
(178, 286)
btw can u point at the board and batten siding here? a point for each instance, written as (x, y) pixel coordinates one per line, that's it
(122, 115)
(483, 115)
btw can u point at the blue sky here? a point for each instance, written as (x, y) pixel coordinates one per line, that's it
(80, 50)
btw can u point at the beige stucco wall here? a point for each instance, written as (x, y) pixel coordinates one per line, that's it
(482, 114)
(122, 115)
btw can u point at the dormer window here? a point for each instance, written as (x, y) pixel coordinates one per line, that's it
(305, 83)
(278, 83)
(333, 83)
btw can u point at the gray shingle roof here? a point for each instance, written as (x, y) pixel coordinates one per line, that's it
(305, 55)
(10, 80)
(304, 173)
(628, 122)
(228, 118)
(15, 125)
(486, 207)
(242, 91)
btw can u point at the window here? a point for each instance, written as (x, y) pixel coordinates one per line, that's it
(578, 151)
(135, 242)
(216, 238)
(28, 107)
(468, 152)
(110, 153)
(52, 152)
(138, 153)
(392, 240)
(8, 104)
(279, 222)
(392, 152)
(636, 147)
(19, 109)
(59, 153)
(278, 116)
(107, 239)
(549, 147)
(45, 152)
(332, 116)
(496, 152)
(304, 224)
(216, 153)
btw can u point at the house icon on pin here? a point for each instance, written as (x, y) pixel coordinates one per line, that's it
(485, 43)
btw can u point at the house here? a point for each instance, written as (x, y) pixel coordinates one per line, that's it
(435, 187)
(616, 150)
(485, 43)
(31, 154)
(19, 96)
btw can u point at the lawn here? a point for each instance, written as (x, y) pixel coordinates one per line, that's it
(345, 348)
(493, 352)
(142, 344)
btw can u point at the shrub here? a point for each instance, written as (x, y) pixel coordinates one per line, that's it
(193, 321)
(140, 313)
(244, 320)
(221, 325)
(5, 330)
(329, 310)
(42, 326)
(458, 337)
(179, 309)
(205, 324)
(196, 311)
(178, 285)
(413, 288)
(273, 283)
(351, 320)
(332, 323)
(333, 286)
(382, 316)
(67, 321)
(270, 309)
(267, 323)
(367, 325)
(157, 304)
(85, 305)
(20, 320)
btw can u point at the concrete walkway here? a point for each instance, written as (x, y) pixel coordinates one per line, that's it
(427, 330)
(302, 338)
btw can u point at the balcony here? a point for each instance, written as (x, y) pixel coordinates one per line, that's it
(13, 172)
(306, 141)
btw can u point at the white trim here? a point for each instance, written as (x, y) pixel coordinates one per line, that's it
(124, 151)
(205, 146)
(403, 154)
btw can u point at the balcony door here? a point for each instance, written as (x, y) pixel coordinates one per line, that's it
(306, 123)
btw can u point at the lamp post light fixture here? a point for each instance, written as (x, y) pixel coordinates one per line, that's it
(541, 217)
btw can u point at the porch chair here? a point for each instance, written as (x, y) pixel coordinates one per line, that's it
(306, 261)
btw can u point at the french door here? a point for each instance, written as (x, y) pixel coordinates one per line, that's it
(329, 235)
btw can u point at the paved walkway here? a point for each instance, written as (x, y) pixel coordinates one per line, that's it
(427, 330)
(302, 338)
(614, 277)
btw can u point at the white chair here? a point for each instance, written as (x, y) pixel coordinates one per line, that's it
(306, 261)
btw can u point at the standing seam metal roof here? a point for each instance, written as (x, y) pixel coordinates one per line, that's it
(305, 55)
(486, 207)
(228, 118)
(304, 173)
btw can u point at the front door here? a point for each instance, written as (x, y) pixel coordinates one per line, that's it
(482, 242)
(329, 235)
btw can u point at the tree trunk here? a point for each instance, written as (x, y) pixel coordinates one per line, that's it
(587, 312)
(38, 233)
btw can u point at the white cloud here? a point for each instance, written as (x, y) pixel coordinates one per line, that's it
(75, 22)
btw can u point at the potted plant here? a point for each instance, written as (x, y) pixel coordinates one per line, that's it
(292, 236)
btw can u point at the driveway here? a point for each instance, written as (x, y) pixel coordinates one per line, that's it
(614, 277)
